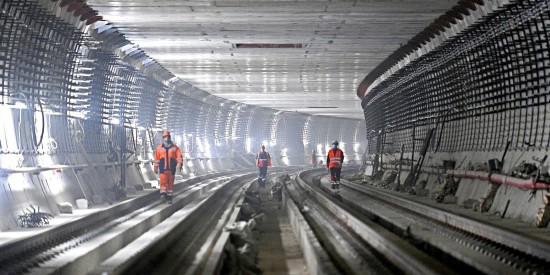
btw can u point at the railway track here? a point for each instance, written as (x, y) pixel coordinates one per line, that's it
(191, 241)
(357, 245)
(87, 241)
(454, 242)
(359, 230)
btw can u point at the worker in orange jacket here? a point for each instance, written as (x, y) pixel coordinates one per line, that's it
(263, 160)
(335, 159)
(167, 157)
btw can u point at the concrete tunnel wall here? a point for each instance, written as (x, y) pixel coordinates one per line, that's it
(72, 95)
(481, 83)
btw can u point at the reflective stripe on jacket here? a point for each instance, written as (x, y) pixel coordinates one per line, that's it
(167, 158)
(263, 159)
(335, 158)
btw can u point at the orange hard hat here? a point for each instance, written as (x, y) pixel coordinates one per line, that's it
(165, 133)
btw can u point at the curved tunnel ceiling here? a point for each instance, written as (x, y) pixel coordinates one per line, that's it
(305, 56)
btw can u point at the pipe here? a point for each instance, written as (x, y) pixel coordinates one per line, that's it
(428, 170)
(499, 178)
(481, 175)
(34, 170)
(39, 169)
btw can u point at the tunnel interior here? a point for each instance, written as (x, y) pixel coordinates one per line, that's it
(83, 108)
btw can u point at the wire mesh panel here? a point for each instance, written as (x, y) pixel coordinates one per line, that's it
(484, 87)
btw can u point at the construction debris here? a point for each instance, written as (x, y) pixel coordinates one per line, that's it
(276, 193)
(527, 170)
(450, 199)
(469, 203)
(32, 217)
(418, 190)
(383, 179)
(65, 208)
(524, 170)
(486, 203)
(543, 214)
(359, 176)
(448, 187)
(253, 198)
(242, 254)
(284, 178)
(355, 177)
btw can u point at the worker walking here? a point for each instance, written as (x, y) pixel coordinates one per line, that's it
(335, 158)
(313, 158)
(167, 157)
(263, 160)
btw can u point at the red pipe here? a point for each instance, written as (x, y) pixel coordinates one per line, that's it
(499, 178)
(469, 174)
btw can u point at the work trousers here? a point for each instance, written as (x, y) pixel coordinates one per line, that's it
(167, 183)
(262, 172)
(335, 174)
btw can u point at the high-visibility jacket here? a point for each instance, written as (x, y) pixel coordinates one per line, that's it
(263, 159)
(335, 158)
(167, 157)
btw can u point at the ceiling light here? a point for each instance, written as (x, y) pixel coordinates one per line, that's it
(266, 45)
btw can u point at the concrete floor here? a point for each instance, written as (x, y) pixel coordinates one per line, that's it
(279, 251)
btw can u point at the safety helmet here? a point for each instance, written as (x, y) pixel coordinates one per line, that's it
(335, 142)
(165, 133)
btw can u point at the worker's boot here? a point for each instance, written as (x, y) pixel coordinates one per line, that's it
(338, 185)
(332, 185)
(162, 197)
(169, 199)
(263, 181)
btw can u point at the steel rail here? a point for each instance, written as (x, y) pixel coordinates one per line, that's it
(402, 254)
(211, 257)
(349, 254)
(516, 240)
(20, 250)
(189, 234)
(179, 236)
(215, 259)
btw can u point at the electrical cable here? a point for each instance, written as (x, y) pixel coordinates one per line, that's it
(39, 142)
(52, 144)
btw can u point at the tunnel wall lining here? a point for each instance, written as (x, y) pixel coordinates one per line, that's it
(482, 89)
(74, 74)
